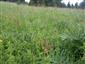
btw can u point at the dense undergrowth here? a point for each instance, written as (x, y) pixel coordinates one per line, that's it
(38, 35)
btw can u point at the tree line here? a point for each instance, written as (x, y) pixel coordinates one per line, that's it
(50, 3)
(40, 2)
(81, 5)
(46, 2)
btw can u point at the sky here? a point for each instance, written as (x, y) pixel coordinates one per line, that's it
(27, 1)
(72, 1)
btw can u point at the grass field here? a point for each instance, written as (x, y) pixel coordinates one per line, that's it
(41, 35)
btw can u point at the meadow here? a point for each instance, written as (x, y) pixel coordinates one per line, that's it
(41, 35)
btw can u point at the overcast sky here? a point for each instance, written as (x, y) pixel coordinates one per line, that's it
(72, 1)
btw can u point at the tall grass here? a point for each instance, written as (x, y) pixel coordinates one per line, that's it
(38, 35)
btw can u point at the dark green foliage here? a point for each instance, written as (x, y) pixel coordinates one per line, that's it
(10, 0)
(76, 5)
(40, 2)
(46, 2)
(73, 41)
(68, 5)
(63, 5)
(72, 6)
(82, 4)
